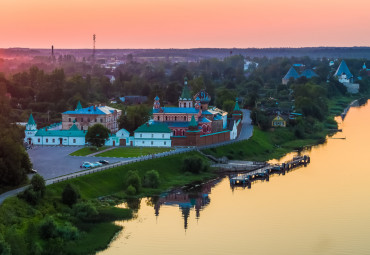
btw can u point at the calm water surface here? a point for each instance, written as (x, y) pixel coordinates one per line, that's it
(323, 208)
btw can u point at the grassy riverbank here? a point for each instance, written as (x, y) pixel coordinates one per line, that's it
(263, 145)
(21, 223)
(266, 145)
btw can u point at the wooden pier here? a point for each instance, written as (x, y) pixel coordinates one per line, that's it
(264, 172)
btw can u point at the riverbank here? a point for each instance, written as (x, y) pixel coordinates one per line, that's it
(21, 222)
(275, 143)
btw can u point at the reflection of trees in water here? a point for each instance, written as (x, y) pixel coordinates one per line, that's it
(134, 203)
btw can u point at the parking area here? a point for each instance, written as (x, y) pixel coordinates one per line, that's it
(54, 161)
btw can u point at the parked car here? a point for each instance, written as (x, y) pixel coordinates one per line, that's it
(104, 162)
(96, 164)
(87, 165)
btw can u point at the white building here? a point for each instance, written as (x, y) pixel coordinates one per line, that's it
(54, 135)
(153, 135)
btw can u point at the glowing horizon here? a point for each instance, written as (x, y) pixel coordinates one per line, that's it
(122, 24)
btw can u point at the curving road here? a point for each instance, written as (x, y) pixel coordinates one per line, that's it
(55, 163)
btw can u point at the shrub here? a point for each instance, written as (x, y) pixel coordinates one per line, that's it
(48, 228)
(85, 211)
(70, 195)
(151, 179)
(130, 190)
(4, 247)
(67, 231)
(38, 184)
(30, 196)
(194, 164)
(133, 179)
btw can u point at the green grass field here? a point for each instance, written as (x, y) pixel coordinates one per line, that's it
(87, 151)
(132, 152)
(262, 146)
(111, 181)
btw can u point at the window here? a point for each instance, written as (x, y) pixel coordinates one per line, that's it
(69, 119)
(88, 119)
(38, 140)
(47, 140)
(74, 140)
(185, 118)
(158, 118)
(166, 117)
(175, 118)
(143, 142)
(162, 135)
(151, 142)
(152, 135)
(101, 120)
(96, 120)
(53, 140)
(164, 143)
(141, 135)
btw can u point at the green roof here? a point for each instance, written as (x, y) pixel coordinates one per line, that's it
(186, 92)
(31, 121)
(61, 133)
(153, 128)
(74, 128)
(79, 106)
(236, 108)
(193, 123)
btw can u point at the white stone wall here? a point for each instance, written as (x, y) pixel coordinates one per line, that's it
(152, 139)
(152, 143)
(54, 140)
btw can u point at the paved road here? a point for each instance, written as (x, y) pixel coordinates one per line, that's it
(247, 128)
(53, 161)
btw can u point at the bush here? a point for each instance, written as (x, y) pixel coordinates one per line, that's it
(133, 179)
(38, 184)
(70, 195)
(67, 232)
(130, 190)
(4, 247)
(48, 228)
(85, 211)
(194, 165)
(30, 196)
(151, 179)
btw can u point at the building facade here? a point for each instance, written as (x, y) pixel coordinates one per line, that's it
(83, 118)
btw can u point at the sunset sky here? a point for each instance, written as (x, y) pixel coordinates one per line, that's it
(184, 23)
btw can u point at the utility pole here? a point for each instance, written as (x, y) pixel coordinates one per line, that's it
(93, 55)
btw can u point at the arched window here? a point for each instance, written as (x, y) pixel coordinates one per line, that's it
(175, 118)
(185, 118)
(166, 117)
(182, 132)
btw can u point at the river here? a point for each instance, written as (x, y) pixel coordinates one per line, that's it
(323, 208)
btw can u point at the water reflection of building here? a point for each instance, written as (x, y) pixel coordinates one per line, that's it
(193, 198)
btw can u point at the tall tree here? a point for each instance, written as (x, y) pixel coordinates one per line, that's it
(97, 135)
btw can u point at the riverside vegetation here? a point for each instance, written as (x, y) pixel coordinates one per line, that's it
(46, 223)
(77, 216)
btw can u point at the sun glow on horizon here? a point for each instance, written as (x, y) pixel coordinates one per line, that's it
(184, 24)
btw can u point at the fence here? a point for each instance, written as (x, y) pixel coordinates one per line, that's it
(142, 158)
